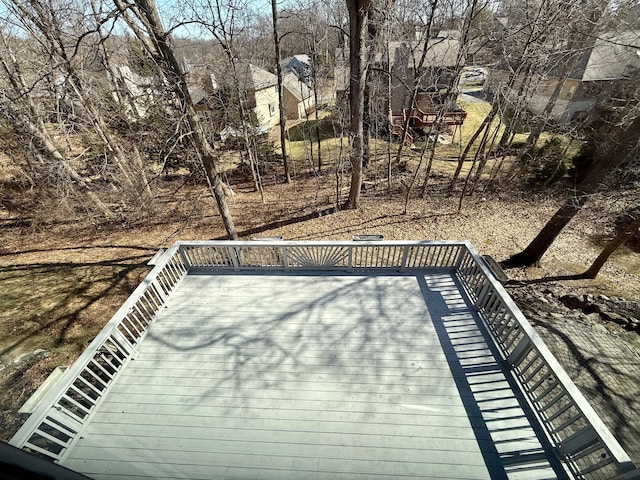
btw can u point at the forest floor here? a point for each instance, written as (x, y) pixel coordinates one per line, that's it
(61, 281)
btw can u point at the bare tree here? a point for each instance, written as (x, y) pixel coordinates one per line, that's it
(625, 234)
(20, 108)
(283, 118)
(148, 27)
(358, 17)
(518, 44)
(623, 142)
(63, 42)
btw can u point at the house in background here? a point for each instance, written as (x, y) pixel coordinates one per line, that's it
(298, 98)
(601, 74)
(437, 72)
(215, 97)
(432, 68)
(260, 89)
(300, 66)
(136, 93)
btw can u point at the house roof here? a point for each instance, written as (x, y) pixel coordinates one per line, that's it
(300, 65)
(614, 56)
(441, 52)
(197, 94)
(250, 77)
(296, 87)
(301, 58)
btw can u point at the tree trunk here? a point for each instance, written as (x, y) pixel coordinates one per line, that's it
(148, 14)
(283, 118)
(612, 246)
(539, 245)
(314, 79)
(366, 124)
(357, 60)
(622, 143)
(484, 125)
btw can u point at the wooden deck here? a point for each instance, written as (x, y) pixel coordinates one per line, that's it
(313, 376)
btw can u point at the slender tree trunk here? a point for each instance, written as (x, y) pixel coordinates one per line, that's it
(389, 117)
(357, 60)
(484, 159)
(366, 124)
(621, 145)
(432, 156)
(283, 118)
(462, 158)
(473, 164)
(539, 245)
(314, 79)
(612, 246)
(148, 14)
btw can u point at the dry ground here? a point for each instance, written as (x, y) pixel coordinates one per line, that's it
(61, 282)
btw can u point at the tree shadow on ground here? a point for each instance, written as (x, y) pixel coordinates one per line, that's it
(61, 249)
(547, 279)
(44, 302)
(58, 307)
(602, 376)
(284, 222)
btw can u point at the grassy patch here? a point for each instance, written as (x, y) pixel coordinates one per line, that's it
(60, 306)
(303, 148)
(307, 129)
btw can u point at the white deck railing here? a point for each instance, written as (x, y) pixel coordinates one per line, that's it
(61, 416)
(582, 441)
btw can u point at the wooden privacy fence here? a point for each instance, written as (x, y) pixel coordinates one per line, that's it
(582, 440)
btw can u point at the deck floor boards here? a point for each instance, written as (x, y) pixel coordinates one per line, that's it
(303, 376)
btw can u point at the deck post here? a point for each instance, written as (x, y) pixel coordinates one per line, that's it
(184, 258)
(405, 256)
(482, 296)
(461, 251)
(234, 257)
(157, 288)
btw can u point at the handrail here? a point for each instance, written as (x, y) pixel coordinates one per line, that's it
(322, 255)
(59, 419)
(581, 438)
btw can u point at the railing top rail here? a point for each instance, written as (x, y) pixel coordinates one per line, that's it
(581, 402)
(311, 243)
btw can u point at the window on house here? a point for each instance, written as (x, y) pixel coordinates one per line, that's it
(272, 109)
